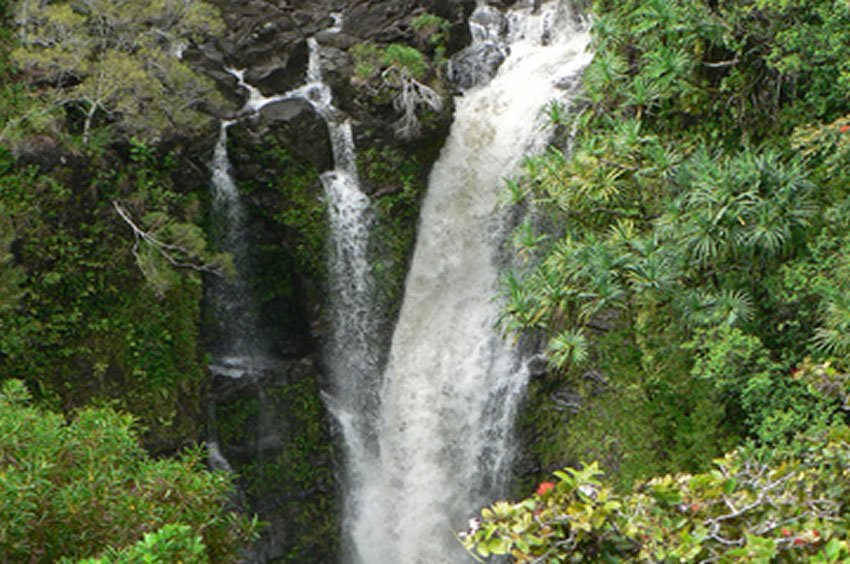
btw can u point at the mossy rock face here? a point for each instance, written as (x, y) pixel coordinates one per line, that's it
(274, 431)
(625, 410)
(287, 219)
(293, 125)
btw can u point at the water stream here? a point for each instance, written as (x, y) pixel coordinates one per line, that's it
(451, 388)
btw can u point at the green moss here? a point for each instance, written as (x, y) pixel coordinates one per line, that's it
(367, 60)
(89, 326)
(436, 29)
(401, 178)
(407, 58)
(371, 59)
(234, 419)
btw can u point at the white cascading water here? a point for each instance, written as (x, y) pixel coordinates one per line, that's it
(238, 341)
(237, 345)
(348, 213)
(350, 356)
(351, 353)
(452, 383)
(239, 350)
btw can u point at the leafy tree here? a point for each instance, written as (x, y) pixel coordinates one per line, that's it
(76, 490)
(117, 63)
(172, 543)
(398, 72)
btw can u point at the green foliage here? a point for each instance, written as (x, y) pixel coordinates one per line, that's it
(429, 22)
(172, 543)
(86, 308)
(11, 276)
(402, 56)
(367, 60)
(371, 60)
(297, 474)
(75, 490)
(743, 510)
(301, 210)
(400, 180)
(116, 63)
(631, 411)
(733, 69)
(435, 29)
(399, 75)
(703, 217)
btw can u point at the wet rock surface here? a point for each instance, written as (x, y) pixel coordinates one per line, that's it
(272, 430)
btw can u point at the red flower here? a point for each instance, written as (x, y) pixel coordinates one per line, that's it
(545, 487)
(799, 541)
(786, 532)
(844, 128)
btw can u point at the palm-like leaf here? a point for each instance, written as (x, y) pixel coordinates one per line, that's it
(568, 348)
(732, 307)
(834, 336)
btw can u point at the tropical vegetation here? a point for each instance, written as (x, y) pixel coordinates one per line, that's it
(686, 262)
(87, 489)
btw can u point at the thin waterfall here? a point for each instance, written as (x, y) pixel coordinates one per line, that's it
(238, 340)
(452, 384)
(350, 353)
(240, 347)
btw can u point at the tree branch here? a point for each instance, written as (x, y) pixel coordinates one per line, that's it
(166, 250)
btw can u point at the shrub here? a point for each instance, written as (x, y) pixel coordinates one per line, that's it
(744, 510)
(78, 489)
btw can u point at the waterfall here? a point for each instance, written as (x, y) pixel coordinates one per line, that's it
(348, 217)
(238, 340)
(351, 351)
(450, 391)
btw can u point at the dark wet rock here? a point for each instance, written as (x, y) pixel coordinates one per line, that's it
(476, 65)
(40, 151)
(281, 73)
(502, 4)
(273, 431)
(294, 124)
(537, 366)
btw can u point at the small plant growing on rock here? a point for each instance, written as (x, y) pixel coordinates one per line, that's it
(433, 29)
(398, 71)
